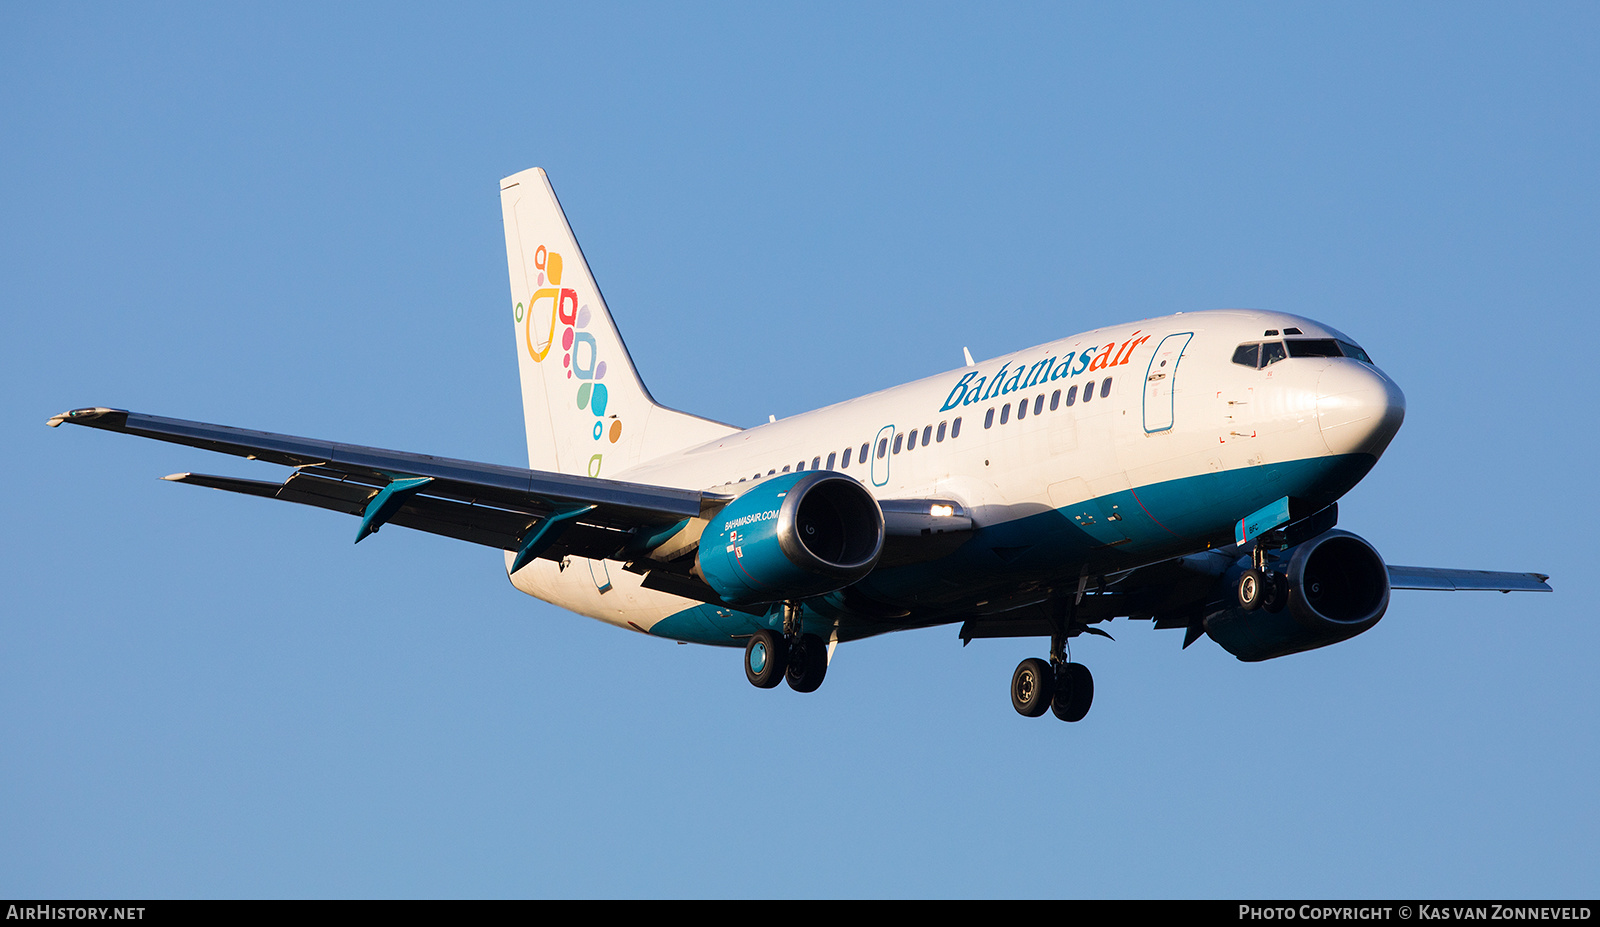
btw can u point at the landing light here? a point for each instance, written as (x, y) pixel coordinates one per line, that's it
(943, 510)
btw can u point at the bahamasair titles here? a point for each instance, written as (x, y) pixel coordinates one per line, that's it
(1183, 470)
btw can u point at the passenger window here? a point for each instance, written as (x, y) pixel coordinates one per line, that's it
(831, 458)
(1088, 391)
(940, 436)
(844, 462)
(1105, 387)
(1246, 355)
(1022, 410)
(786, 468)
(883, 447)
(1005, 413)
(911, 439)
(955, 429)
(1055, 400)
(897, 440)
(770, 472)
(863, 458)
(927, 432)
(1271, 353)
(988, 418)
(1038, 404)
(1072, 396)
(816, 463)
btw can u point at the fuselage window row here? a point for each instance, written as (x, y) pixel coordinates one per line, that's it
(843, 460)
(1038, 403)
(908, 440)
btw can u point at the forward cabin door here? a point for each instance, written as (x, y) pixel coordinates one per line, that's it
(1159, 381)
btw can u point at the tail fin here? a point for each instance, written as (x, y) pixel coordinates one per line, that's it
(585, 407)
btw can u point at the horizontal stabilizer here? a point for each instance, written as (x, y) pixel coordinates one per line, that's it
(1432, 578)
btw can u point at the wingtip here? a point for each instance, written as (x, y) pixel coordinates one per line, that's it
(79, 416)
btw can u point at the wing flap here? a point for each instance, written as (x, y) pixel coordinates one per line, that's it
(473, 523)
(227, 483)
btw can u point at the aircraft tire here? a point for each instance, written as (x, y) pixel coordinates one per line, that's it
(765, 659)
(1074, 692)
(1251, 589)
(808, 663)
(1032, 686)
(1274, 592)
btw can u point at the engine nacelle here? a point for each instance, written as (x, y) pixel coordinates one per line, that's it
(1338, 587)
(791, 537)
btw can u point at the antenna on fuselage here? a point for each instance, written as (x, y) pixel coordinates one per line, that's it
(968, 355)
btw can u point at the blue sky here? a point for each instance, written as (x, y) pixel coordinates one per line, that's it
(288, 219)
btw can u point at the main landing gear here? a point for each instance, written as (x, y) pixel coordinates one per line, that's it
(771, 658)
(1059, 686)
(1067, 689)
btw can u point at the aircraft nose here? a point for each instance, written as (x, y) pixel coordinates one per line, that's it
(1358, 408)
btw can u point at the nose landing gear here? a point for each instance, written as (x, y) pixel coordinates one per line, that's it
(1260, 586)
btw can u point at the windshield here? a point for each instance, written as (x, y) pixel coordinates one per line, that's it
(1260, 354)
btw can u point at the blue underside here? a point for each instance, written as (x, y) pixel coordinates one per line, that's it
(1113, 532)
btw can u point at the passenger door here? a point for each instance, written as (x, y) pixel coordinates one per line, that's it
(1159, 382)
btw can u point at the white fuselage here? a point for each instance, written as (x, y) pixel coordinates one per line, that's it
(1176, 409)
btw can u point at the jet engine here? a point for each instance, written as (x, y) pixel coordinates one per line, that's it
(791, 537)
(1335, 587)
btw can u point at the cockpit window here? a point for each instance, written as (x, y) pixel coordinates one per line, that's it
(1314, 347)
(1351, 350)
(1265, 354)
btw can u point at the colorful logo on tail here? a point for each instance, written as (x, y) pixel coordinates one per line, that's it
(554, 308)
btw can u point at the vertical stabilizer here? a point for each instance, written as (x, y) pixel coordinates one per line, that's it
(586, 410)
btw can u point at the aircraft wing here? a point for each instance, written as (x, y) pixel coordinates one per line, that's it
(1173, 594)
(533, 512)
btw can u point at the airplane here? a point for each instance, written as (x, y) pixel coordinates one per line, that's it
(1182, 470)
